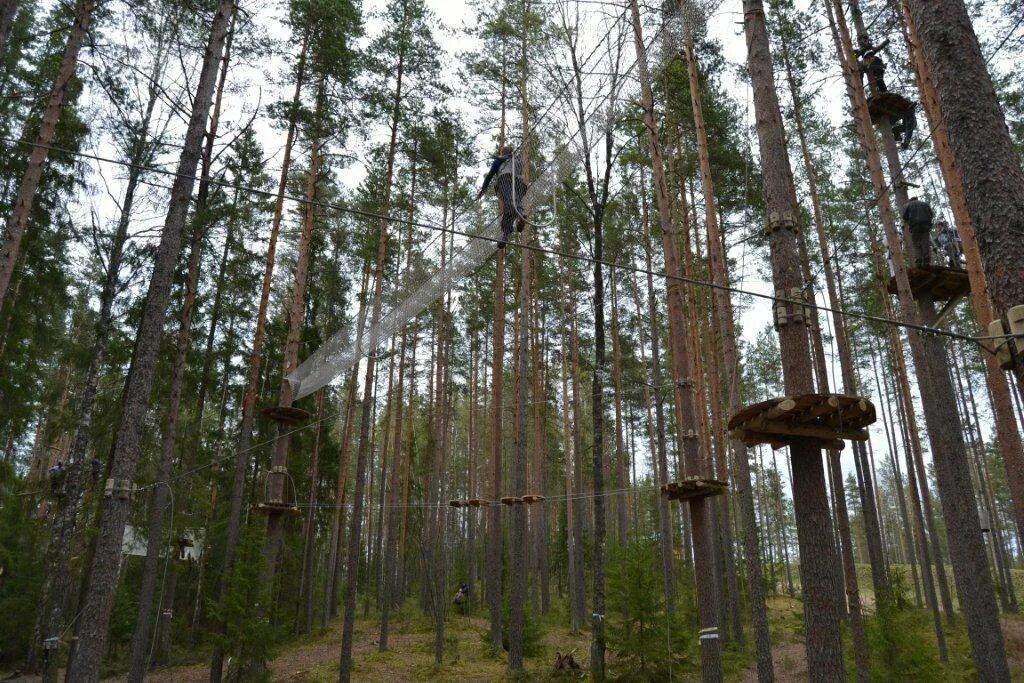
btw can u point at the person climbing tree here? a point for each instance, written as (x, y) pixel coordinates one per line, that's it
(873, 66)
(903, 127)
(919, 217)
(510, 188)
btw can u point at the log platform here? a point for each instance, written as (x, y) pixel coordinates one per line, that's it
(277, 508)
(285, 415)
(944, 284)
(887, 105)
(694, 488)
(829, 419)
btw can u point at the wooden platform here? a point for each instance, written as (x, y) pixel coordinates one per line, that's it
(286, 415)
(944, 284)
(691, 489)
(533, 498)
(887, 105)
(512, 500)
(828, 419)
(274, 508)
(471, 503)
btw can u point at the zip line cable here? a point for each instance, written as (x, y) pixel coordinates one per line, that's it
(640, 270)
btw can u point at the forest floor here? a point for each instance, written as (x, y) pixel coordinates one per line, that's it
(467, 657)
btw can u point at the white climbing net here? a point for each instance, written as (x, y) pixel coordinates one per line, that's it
(339, 353)
(421, 288)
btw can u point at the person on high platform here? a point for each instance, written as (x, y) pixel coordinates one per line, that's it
(872, 65)
(919, 217)
(905, 125)
(949, 243)
(510, 187)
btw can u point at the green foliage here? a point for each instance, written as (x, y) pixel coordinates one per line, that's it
(901, 648)
(638, 628)
(20, 568)
(249, 636)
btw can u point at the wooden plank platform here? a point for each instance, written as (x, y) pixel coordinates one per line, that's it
(887, 105)
(944, 284)
(286, 415)
(691, 489)
(273, 508)
(828, 419)
(512, 500)
(533, 498)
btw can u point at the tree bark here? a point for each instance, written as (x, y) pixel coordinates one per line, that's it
(982, 150)
(248, 416)
(967, 551)
(98, 600)
(725, 323)
(817, 557)
(686, 410)
(1007, 432)
(138, 661)
(17, 220)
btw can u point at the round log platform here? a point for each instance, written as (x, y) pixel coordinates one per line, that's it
(829, 419)
(887, 105)
(694, 488)
(285, 415)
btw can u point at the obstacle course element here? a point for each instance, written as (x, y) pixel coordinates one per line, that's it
(338, 353)
(887, 106)
(285, 415)
(471, 503)
(528, 499)
(694, 488)
(120, 489)
(829, 419)
(1006, 343)
(944, 284)
(274, 499)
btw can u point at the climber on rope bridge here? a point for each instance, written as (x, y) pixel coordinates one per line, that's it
(510, 188)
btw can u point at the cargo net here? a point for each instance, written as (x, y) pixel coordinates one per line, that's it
(421, 288)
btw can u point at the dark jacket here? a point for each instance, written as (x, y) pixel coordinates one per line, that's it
(918, 215)
(493, 170)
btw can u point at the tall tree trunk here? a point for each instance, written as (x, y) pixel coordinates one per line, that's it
(983, 152)
(686, 413)
(723, 315)
(57, 582)
(1007, 432)
(309, 527)
(880, 580)
(17, 220)
(659, 438)
(621, 455)
(277, 476)
(242, 455)
(967, 551)
(138, 661)
(494, 538)
(817, 557)
(356, 522)
(577, 589)
(99, 598)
